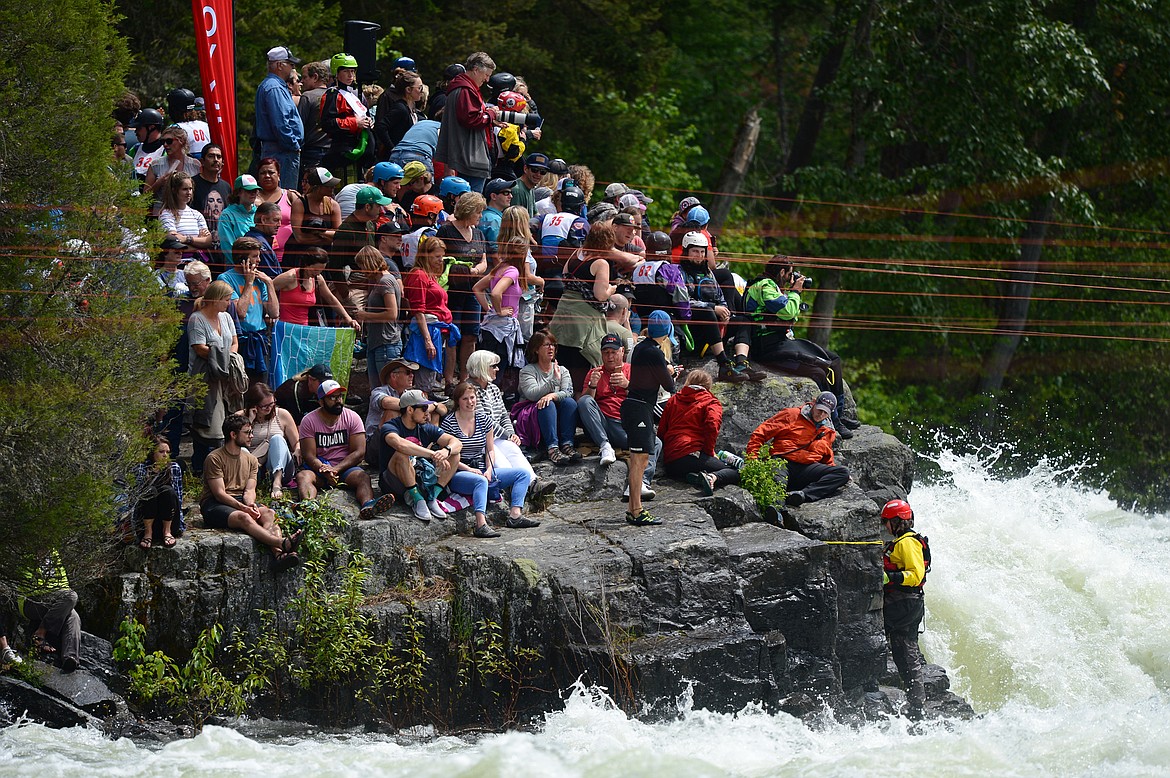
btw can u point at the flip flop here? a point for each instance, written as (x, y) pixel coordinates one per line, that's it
(699, 480)
(290, 543)
(169, 541)
(145, 543)
(43, 645)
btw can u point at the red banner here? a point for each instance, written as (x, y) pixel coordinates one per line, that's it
(215, 40)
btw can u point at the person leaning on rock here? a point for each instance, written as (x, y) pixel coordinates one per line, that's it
(46, 599)
(804, 438)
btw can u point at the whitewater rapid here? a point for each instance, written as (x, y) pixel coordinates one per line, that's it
(1046, 604)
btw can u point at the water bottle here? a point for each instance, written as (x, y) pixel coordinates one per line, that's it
(731, 460)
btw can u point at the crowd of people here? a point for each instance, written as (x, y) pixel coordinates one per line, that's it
(506, 315)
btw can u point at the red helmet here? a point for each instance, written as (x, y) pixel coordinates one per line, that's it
(426, 205)
(897, 509)
(513, 101)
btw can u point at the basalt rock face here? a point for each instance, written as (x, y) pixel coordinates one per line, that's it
(716, 607)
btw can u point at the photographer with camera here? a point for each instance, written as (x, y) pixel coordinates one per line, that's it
(773, 301)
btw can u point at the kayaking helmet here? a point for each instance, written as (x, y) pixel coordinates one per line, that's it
(658, 243)
(501, 82)
(426, 205)
(148, 118)
(342, 60)
(179, 101)
(512, 101)
(572, 200)
(453, 185)
(695, 238)
(897, 510)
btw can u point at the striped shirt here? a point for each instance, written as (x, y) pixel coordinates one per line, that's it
(475, 444)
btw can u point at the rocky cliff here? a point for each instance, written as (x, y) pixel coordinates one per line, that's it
(716, 605)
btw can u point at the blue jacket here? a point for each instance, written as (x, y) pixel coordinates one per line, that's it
(277, 120)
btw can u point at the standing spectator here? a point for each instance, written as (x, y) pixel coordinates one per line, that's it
(158, 497)
(333, 445)
(347, 120)
(549, 386)
(185, 110)
(229, 495)
(123, 165)
(178, 218)
(314, 83)
(354, 233)
(398, 110)
(499, 294)
(256, 301)
(468, 124)
(804, 438)
(275, 439)
(212, 337)
(46, 599)
(265, 227)
(278, 125)
(148, 126)
(302, 288)
(649, 373)
(687, 432)
(381, 289)
(600, 408)
(466, 244)
(174, 140)
(535, 168)
(498, 193)
(429, 339)
(269, 175)
(436, 105)
(212, 193)
(316, 216)
(239, 217)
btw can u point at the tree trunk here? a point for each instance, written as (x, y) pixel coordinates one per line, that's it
(812, 118)
(734, 171)
(1013, 311)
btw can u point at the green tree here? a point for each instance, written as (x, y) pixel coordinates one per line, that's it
(85, 332)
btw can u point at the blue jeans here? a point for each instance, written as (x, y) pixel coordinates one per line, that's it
(516, 480)
(471, 485)
(279, 457)
(603, 429)
(476, 183)
(403, 158)
(378, 358)
(290, 165)
(558, 422)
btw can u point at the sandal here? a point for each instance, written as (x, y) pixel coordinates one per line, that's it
(702, 482)
(43, 645)
(145, 543)
(290, 544)
(277, 492)
(286, 560)
(169, 541)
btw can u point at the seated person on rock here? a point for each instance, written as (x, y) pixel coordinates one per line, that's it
(600, 407)
(229, 501)
(415, 444)
(688, 429)
(333, 445)
(804, 438)
(773, 303)
(298, 395)
(46, 599)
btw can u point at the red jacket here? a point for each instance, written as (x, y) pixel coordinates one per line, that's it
(795, 438)
(690, 422)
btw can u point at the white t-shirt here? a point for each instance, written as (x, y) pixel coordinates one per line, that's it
(198, 136)
(347, 199)
(190, 222)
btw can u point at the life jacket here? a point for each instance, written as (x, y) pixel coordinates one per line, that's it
(889, 566)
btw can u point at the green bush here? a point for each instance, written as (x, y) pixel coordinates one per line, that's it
(760, 476)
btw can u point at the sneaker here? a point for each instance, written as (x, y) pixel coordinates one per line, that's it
(795, 499)
(421, 512)
(380, 505)
(437, 510)
(557, 457)
(519, 522)
(485, 531)
(542, 487)
(648, 493)
(844, 432)
(69, 664)
(850, 424)
(643, 519)
(573, 454)
(608, 457)
(730, 375)
(745, 367)
(9, 657)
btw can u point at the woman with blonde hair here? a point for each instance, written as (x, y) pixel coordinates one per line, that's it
(176, 159)
(211, 342)
(467, 245)
(428, 341)
(376, 293)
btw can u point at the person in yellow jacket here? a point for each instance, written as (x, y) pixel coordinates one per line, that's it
(904, 572)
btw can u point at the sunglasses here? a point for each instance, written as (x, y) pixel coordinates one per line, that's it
(169, 141)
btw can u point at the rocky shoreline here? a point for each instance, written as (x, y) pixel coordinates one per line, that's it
(717, 606)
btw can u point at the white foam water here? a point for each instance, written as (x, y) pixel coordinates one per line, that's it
(1046, 604)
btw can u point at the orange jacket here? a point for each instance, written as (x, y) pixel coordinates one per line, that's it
(794, 438)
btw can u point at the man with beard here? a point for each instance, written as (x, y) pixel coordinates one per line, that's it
(212, 193)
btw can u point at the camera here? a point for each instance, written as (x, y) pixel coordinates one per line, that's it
(808, 281)
(529, 120)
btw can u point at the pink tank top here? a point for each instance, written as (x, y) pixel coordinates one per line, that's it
(295, 303)
(284, 234)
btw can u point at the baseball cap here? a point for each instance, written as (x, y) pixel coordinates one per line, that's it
(537, 161)
(406, 63)
(497, 185)
(624, 219)
(541, 193)
(616, 190)
(282, 54)
(173, 244)
(392, 227)
(247, 182)
(370, 194)
(631, 200)
(686, 204)
(327, 388)
(558, 166)
(826, 401)
(319, 176)
(412, 398)
(611, 341)
(601, 211)
(320, 372)
(413, 171)
(643, 198)
(388, 171)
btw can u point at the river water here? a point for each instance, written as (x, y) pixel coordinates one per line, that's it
(1047, 603)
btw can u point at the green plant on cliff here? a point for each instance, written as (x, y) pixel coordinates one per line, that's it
(759, 476)
(486, 660)
(196, 690)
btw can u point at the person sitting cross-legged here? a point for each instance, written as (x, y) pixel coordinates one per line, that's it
(417, 445)
(333, 445)
(229, 478)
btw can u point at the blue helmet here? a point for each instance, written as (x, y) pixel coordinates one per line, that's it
(453, 185)
(698, 215)
(387, 171)
(406, 63)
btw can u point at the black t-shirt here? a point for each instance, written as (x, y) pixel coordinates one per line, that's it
(295, 398)
(203, 188)
(470, 250)
(648, 372)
